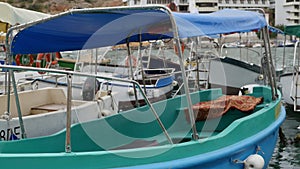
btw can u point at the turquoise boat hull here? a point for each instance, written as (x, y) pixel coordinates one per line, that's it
(101, 143)
(224, 158)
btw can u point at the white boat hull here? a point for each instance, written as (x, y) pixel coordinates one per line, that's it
(287, 91)
(39, 107)
(232, 76)
(156, 89)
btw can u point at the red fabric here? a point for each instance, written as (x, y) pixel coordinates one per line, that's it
(216, 108)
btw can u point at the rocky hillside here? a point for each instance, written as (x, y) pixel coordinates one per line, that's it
(57, 6)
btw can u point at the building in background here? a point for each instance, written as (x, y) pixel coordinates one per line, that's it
(240, 4)
(206, 6)
(200, 6)
(287, 12)
(272, 4)
(284, 12)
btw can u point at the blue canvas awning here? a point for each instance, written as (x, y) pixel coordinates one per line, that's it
(91, 28)
(275, 30)
(221, 22)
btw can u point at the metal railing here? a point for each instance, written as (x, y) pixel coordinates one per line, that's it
(69, 75)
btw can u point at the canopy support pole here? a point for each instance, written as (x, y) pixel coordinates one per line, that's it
(68, 122)
(270, 67)
(131, 74)
(8, 73)
(197, 62)
(23, 135)
(184, 77)
(141, 62)
(283, 58)
(96, 68)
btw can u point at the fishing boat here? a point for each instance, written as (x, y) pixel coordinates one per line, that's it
(10, 16)
(289, 79)
(38, 107)
(239, 71)
(157, 83)
(234, 74)
(203, 129)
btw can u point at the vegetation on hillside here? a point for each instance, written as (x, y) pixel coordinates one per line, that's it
(57, 6)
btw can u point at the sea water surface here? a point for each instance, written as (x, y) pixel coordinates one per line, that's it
(287, 152)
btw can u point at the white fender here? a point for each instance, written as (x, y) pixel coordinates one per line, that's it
(261, 77)
(130, 91)
(174, 83)
(5, 116)
(248, 88)
(254, 161)
(106, 112)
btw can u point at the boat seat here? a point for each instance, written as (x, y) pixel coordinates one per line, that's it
(137, 144)
(47, 108)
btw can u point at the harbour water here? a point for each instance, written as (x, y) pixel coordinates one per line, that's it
(287, 152)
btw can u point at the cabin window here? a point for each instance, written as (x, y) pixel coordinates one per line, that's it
(205, 4)
(183, 8)
(183, 1)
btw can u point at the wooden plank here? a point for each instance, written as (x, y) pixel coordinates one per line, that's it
(50, 107)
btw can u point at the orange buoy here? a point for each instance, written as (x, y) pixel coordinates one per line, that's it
(40, 57)
(24, 60)
(182, 48)
(57, 57)
(134, 61)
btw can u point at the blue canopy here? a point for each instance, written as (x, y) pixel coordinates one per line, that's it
(91, 28)
(275, 30)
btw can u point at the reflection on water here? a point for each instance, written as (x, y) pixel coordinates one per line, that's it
(287, 153)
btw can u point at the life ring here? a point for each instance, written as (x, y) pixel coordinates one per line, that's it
(172, 6)
(40, 57)
(134, 61)
(3, 49)
(57, 57)
(24, 60)
(182, 48)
